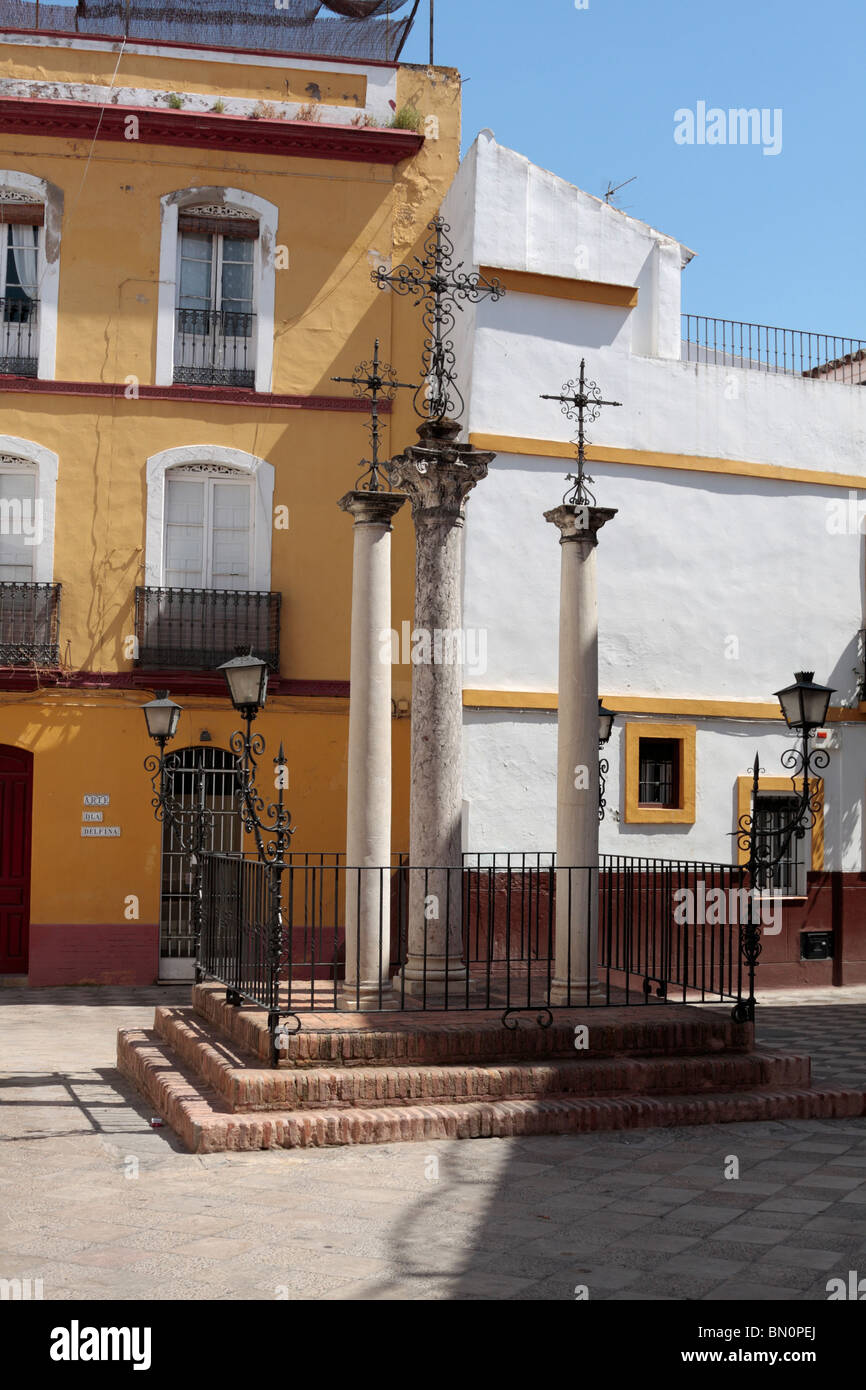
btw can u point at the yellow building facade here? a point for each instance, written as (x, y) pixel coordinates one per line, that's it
(189, 237)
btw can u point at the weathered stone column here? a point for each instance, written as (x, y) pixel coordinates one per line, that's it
(368, 819)
(576, 939)
(438, 474)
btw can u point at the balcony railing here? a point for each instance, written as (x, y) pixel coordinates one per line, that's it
(29, 624)
(199, 629)
(760, 348)
(214, 347)
(19, 337)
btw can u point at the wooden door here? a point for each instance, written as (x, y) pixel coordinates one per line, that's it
(16, 799)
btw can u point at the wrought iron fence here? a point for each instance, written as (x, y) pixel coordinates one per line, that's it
(214, 347)
(759, 347)
(502, 933)
(198, 629)
(19, 336)
(29, 624)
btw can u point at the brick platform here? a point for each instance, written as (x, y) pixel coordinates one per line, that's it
(349, 1078)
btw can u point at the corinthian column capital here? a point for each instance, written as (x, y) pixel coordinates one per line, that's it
(579, 523)
(438, 473)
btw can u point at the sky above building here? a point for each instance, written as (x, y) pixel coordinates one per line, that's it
(602, 90)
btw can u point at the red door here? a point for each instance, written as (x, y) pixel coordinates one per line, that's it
(16, 798)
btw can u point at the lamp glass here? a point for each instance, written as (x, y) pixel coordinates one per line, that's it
(804, 704)
(605, 722)
(247, 680)
(162, 716)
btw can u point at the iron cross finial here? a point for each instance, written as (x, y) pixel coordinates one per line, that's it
(440, 286)
(374, 381)
(581, 400)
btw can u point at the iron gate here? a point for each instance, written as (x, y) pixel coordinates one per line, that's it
(223, 835)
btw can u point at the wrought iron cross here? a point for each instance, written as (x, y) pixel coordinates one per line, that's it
(581, 401)
(439, 286)
(374, 381)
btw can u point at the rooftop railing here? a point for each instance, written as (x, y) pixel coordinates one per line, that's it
(762, 348)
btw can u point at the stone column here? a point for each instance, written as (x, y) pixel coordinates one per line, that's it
(438, 474)
(576, 930)
(368, 819)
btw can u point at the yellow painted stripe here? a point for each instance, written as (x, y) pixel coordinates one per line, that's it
(562, 287)
(650, 704)
(689, 463)
(510, 699)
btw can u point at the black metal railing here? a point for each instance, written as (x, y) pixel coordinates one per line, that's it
(19, 337)
(759, 347)
(501, 933)
(199, 629)
(29, 624)
(214, 347)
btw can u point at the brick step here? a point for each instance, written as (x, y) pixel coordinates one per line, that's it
(245, 1087)
(382, 1039)
(203, 1121)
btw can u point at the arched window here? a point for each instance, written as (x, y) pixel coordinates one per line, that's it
(29, 599)
(209, 528)
(216, 299)
(207, 560)
(31, 210)
(28, 486)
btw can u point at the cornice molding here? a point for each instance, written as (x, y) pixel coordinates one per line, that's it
(204, 683)
(84, 120)
(213, 395)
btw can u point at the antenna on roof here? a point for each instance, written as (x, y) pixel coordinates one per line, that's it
(611, 190)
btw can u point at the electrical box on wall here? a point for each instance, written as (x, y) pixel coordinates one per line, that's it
(816, 945)
(828, 738)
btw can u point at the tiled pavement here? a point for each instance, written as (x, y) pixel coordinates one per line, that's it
(98, 1204)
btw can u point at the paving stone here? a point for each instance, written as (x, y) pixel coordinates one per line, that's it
(741, 1232)
(701, 1265)
(745, 1292)
(806, 1256)
(713, 1215)
(796, 1205)
(515, 1220)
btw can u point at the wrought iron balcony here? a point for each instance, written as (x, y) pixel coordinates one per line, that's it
(29, 624)
(214, 347)
(198, 629)
(760, 348)
(19, 337)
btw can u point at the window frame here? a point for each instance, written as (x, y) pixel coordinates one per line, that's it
(262, 475)
(210, 474)
(814, 861)
(50, 197)
(683, 813)
(264, 277)
(43, 463)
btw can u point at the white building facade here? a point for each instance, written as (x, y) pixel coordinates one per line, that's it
(736, 557)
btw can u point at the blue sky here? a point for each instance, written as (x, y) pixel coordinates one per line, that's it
(591, 94)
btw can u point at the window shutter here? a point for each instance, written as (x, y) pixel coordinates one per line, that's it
(18, 497)
(219, 226)
(22, 214)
